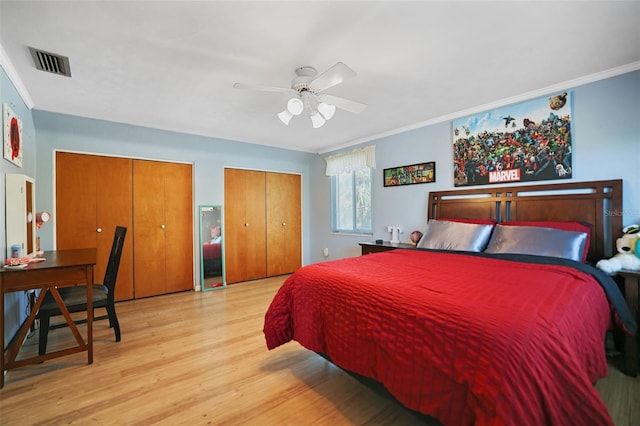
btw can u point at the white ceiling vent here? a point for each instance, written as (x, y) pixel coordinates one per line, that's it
(50, 62)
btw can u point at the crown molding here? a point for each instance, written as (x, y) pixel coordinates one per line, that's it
(9, 69)
(613, 72)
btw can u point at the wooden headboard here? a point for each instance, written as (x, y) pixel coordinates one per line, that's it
(598, 203)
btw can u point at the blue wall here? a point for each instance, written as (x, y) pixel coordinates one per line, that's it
(606, 135)
(209, 158)
(15, 304)
(606, 145)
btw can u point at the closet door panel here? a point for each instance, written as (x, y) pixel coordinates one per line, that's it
(283, 223)
(115, 208)
(76, 203)
(255, 234)
(245, 228)
(93, 195)
(178, 212)
(148, 221)
(234, 230)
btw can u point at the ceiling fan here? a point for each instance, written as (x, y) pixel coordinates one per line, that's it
(308, 89)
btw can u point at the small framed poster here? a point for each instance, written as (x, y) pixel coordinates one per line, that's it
(409, 175)
(12, 136)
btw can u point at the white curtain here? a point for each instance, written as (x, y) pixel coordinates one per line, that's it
(350, 161)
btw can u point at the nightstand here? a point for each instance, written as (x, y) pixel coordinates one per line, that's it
(631, 285)
(371, 247)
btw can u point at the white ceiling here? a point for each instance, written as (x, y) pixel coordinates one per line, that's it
(171, 65)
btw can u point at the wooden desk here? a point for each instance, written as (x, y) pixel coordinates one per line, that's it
(62, 268)
(631, 285)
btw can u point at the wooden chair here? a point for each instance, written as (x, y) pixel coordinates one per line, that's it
(75, 298)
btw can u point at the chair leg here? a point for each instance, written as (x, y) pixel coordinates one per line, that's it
(44, 334)
(113, 321)
(111, 325)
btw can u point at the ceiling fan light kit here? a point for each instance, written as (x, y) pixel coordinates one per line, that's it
(307, 89)
(285, 116)
(295, 106)
(327, 110)
(317, 120)
(319, 112)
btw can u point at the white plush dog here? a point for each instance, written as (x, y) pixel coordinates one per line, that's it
(628, 256)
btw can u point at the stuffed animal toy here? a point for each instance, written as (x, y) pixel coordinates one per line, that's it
(628, 256)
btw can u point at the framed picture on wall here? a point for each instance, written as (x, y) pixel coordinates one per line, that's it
(528, 141)
(12, 136)
(409, 175)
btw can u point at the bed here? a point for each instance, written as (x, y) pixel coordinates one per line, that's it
(212, 259)
(473, 337)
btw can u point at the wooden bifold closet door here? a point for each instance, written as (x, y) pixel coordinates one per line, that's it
(153, 199)
(262, 224)
(284, 245)
(93, 196)
(244, 225)
(162, 227)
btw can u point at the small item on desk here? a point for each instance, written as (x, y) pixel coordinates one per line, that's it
(37, 259)
(378, 241)
(16, 251)
(16, 261)
(18, 266)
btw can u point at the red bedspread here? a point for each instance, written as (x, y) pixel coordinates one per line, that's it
(211, 250)
(466, 339)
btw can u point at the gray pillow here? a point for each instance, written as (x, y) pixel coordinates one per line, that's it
(445, 235)
(537, 240)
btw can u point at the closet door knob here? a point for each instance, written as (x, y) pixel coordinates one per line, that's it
(284, 223)
(246, 224)
(162, 226)
(99, 230)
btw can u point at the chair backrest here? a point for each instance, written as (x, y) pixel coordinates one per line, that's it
(111, 273)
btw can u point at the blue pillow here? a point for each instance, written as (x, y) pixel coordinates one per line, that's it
(539, 241)
(446, 235)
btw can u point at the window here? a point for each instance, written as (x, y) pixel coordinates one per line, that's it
(351, 190)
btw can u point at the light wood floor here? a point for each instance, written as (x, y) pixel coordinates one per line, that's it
(200, 358)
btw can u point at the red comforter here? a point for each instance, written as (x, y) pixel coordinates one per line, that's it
(211, 251)
(466, 339)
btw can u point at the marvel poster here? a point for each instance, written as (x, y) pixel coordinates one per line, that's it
(529, 141)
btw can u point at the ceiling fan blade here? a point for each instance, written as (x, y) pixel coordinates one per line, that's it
(331, 77)
(342, 103)
(264, 88)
